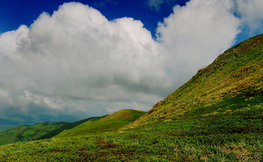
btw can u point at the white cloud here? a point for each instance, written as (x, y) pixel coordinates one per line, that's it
(77, 54)
(49, 102)
(195, 34)
(75, 61)
(251, 13)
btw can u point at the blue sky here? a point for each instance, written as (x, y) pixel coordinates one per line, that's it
(90, 58)
(13, 13)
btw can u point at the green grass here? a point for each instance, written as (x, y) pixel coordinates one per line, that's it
(63, 129)
(216, 116)
(35, 132)
(107, 123)
(138, 146)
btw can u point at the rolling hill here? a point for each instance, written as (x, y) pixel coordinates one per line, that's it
(216, 116)
(35, 132)
(63, 129)
(111, 122)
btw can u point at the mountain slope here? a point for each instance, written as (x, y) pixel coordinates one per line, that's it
(223, 98)
(106, 123)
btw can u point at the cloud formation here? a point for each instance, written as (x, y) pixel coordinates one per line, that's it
(77, 62)
(77, 54)
(251, 13)
(195, 34)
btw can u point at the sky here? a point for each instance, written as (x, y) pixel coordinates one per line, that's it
(94, 57)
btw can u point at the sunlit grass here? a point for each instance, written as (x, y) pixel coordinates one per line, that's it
(133, 145)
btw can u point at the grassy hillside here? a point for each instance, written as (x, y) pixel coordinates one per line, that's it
(34, 132)
(223, 98)
(64, 129)
(216, 116)
(106, 123)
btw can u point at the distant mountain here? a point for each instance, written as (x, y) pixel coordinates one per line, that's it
(8, 122)
(16, 120)
(64, 129)
(35, 132)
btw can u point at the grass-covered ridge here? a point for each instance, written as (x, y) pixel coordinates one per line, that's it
(110, 122)
(231, 85)
(216, 116)
(63, 129)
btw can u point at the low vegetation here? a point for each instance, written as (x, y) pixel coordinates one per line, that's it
(35, 132)
(102, 124)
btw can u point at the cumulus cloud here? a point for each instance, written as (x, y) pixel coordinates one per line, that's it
(195, 34)
(251, 13)
(77, 62)
(77, 54)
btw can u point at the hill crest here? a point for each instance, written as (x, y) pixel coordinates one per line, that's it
(106, 123)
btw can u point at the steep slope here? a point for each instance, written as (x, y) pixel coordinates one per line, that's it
(226, 97)
(35, 132)
(106, 123)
